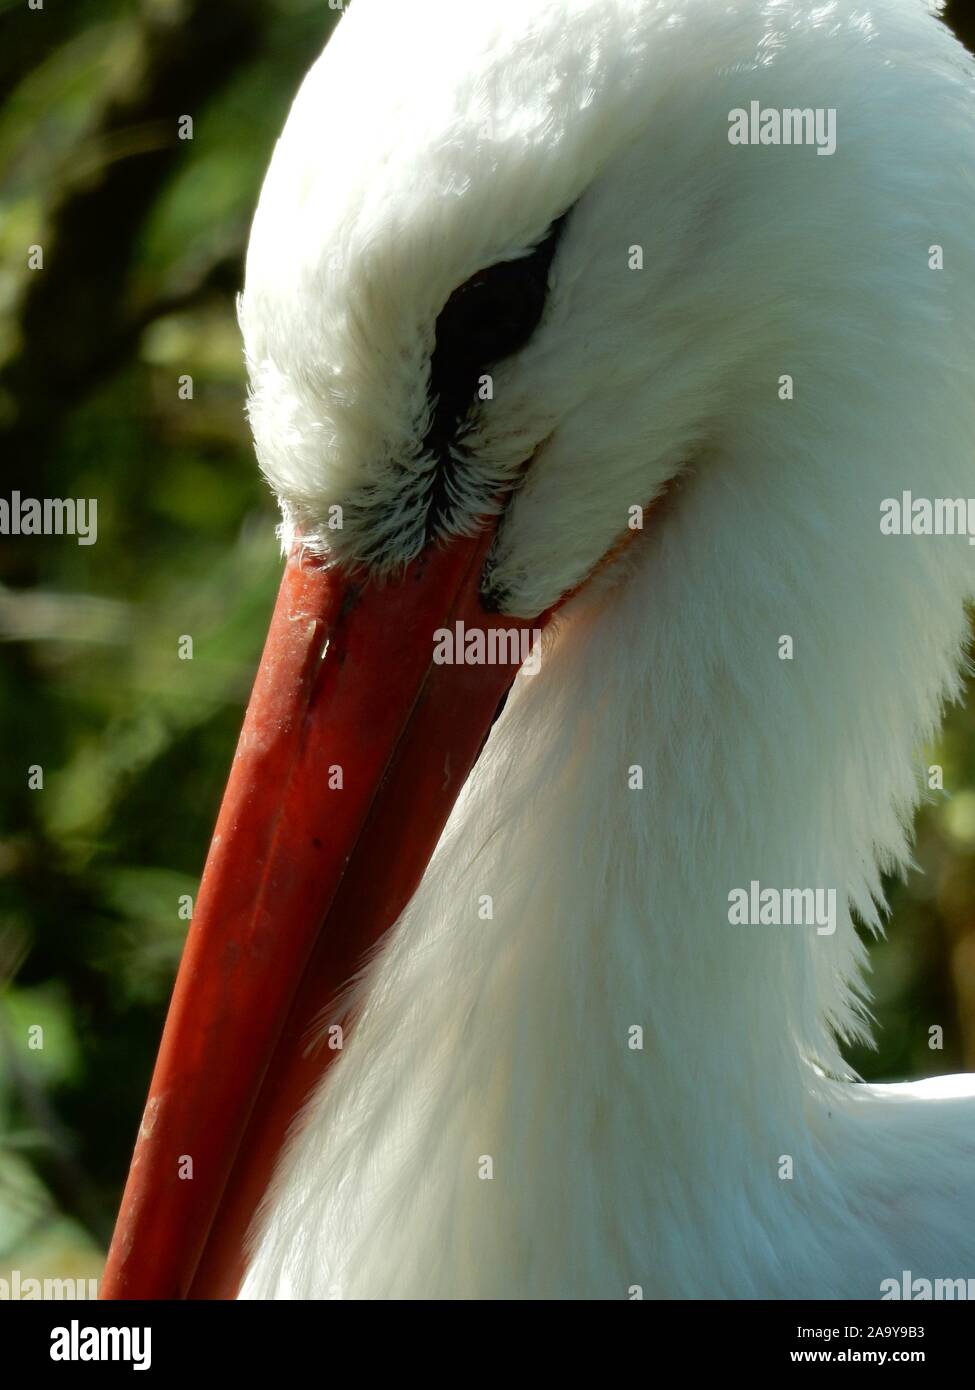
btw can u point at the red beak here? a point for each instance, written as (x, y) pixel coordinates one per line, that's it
(354, 748)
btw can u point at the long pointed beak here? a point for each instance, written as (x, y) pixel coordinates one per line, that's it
(355, 745)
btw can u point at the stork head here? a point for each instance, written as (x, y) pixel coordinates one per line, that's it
(507, 258)
(490, 271)
(421, 314)
(507, 279)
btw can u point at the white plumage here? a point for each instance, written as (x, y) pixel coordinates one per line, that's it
(430, 141)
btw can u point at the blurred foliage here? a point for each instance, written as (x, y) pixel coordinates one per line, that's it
(143, 237)
(134, 743)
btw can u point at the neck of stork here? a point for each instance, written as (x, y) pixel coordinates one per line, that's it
(565, 1033)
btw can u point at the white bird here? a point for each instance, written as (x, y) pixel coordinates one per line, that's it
(571, 1070)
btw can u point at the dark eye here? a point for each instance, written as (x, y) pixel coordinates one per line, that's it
(486, 319)
(496, 311)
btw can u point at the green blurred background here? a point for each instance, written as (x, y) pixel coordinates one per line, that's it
(143, 235)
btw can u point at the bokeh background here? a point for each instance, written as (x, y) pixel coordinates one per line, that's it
(143, 236)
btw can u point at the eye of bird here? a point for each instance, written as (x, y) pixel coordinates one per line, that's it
(486, 319)
(495, 312)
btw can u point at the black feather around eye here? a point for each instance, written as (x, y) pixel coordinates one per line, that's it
(486, 319)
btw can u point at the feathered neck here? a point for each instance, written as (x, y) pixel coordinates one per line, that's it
(566, 1006)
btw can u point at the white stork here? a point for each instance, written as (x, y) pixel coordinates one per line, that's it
(515, 284)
